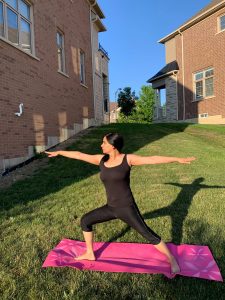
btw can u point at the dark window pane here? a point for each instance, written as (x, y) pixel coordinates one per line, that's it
(12, 3)
(199, 76)
(1, 20)
(106, 105)
(199, 89)
(82, 68)
(209, 87)
(209, 73)
(25, 35)
(59, 40)
(24, 9)
(61, 63)
(12, 26)
(222, 23)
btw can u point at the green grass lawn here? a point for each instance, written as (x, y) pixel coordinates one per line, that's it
(182, 203)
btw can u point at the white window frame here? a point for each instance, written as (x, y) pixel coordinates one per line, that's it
(203, 80)
(20, 17)
(82, 68)
(62, 66)
(219, 23)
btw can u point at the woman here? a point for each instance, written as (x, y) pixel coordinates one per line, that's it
(115, 174)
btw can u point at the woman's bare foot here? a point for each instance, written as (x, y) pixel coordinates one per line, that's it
(86, 255)
(174, 266)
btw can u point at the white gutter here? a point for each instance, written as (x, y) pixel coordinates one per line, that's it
(182, 57)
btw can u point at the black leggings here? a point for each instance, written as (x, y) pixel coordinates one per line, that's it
(128, 214)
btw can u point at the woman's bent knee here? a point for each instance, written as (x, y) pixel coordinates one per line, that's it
(85, 224)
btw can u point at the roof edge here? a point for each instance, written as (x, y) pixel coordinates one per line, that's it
(193, 22)
(97, 8)
(162, 76)
(100, 25)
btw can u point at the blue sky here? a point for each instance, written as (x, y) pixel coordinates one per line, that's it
(133, 29)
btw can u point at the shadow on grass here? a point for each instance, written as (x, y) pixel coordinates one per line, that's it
(177, 210)
(63, 172)
(201, 233)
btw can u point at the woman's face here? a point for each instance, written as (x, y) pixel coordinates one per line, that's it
(106, 146)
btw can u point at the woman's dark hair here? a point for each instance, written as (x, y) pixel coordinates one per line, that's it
(115, 140)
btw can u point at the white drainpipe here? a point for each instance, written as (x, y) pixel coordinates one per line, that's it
(93, 60)
(182, 49)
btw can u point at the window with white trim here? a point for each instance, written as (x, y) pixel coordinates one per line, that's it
(222, 23)
(61, 52)
(204, 84)
(82, 67)
(15, 23)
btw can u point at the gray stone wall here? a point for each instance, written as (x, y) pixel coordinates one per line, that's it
(171, 98)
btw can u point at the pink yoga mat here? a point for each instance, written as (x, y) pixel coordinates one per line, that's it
(194, 261)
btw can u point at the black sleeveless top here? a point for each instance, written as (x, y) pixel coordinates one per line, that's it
(117, 183)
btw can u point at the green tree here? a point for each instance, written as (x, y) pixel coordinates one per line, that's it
(145, 105)
(126, 100)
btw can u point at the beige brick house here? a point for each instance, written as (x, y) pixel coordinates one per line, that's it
(194, 77)
(53, 76)
(100, 68)
(114, 112)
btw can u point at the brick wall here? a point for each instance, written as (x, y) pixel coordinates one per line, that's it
(203, 48)
(55, 105)
(101, 70)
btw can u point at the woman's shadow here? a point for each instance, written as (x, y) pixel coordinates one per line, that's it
(177, 210)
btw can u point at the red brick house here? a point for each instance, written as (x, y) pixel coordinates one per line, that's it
(194, 76)
(48, 90)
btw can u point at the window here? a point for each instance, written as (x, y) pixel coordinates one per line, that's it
(15, 23)
(82, 67)
(105, 92)
(204, 84)
(204, 115)
(61, 52)
(222, 23)
(106, 109)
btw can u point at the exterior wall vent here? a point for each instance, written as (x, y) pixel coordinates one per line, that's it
(205, 115)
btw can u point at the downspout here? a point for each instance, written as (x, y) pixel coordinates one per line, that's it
(93, 64)
(182, 55)
(175, 74)
(103, 111)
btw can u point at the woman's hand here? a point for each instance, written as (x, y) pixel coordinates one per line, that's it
(186, 160)
(52, 154)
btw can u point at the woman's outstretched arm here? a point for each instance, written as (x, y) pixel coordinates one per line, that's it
(137, 160)
(92, 159)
